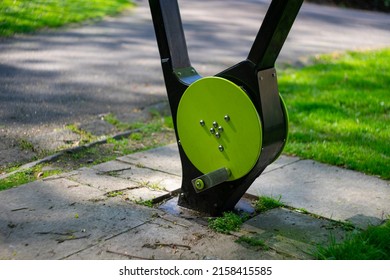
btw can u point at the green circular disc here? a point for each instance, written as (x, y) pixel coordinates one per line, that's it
(218, 126)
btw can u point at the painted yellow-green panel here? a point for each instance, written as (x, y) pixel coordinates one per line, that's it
(218, 126)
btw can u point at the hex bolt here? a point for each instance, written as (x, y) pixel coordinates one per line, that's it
(220, 128)
(215, 124)
(227, 118)
(217, 135)
(212, 130)
(202, 123)
(221, 148)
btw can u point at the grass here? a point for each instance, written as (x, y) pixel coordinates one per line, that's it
(86, 137)
(114, 193)
(339, 110)
(26, 176)
(371, 244)
(20, 16)
(252, 242)
(158, 122)
(227, 223)
(265, 203)
(147, 203)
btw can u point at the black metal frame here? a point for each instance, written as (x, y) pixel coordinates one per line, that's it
(256, 75)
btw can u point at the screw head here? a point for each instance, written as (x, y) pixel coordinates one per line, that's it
(202, 123)
(220, 128)
(227, 118)
(215, 124)
(212, 130)
(217, 135)
(199, 184)
(221, 148)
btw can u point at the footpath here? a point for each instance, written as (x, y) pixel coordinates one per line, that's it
(97, 212)
(102, 212)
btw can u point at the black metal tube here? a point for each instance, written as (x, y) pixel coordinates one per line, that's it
(273, 32)
(169, 33)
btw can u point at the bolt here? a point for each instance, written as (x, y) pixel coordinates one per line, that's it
(212, 130)
(220, 128)
(221, 149)
(227, 118)
(199, 184)
(202, 123)
(215, 124)
(217, 135)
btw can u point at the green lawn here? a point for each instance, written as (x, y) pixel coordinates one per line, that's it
(339, 110)
(22, 16)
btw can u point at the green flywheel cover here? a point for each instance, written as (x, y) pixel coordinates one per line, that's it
(218, 126)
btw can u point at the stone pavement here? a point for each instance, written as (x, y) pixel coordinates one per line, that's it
(98, 212)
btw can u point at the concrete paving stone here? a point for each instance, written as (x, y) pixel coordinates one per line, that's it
(144, 194)
(152, 178)
(146, 184)
(101, 181)
(54, 219)
(328, 191)
(111, 166)
(168, 237)
(293, 233)
(165, 159)
(280, 162)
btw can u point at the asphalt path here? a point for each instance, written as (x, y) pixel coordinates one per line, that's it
(76, 73)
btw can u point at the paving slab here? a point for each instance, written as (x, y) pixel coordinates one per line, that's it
(328, 191)
(74, 215)
(325, 190)
(292, 233)
(164, 159)
(169, 237)
(56, 218)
